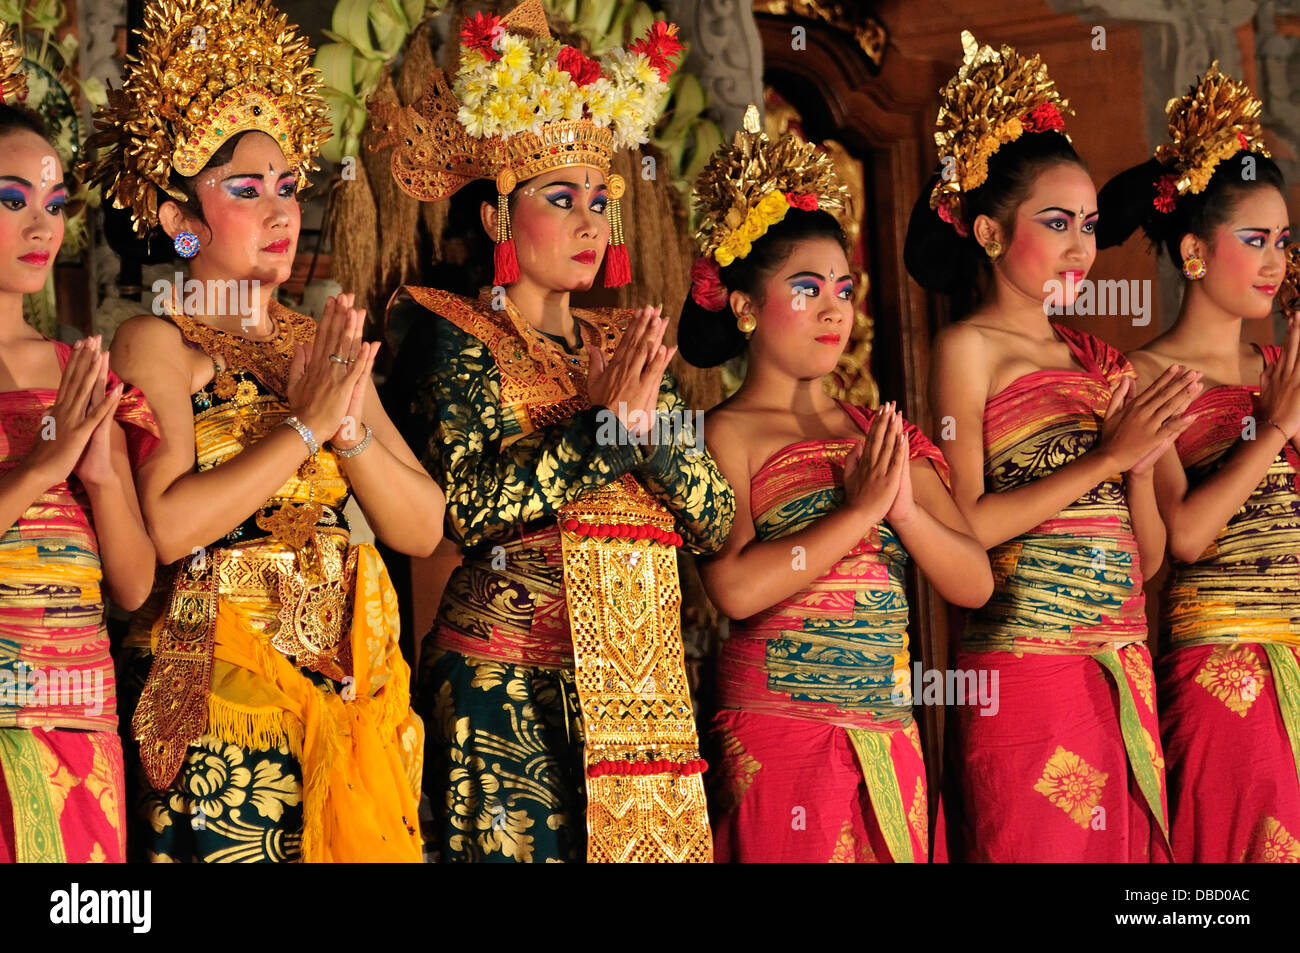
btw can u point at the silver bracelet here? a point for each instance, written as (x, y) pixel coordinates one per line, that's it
(365, 442)
(305, 432)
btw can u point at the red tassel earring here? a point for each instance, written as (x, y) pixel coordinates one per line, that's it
(505, 260)
(618, 267)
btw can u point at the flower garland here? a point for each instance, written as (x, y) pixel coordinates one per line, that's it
(509, 84)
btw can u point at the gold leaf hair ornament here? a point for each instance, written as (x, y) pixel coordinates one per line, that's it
(1288, 295)
(745, 189)
(206, 70)
(521, 104)
(996, 97)
(13, 80)
(1215, 120)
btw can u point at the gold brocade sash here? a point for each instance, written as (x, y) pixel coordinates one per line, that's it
(360, 750)
(645, 790)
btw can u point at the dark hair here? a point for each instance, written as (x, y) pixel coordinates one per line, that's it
(20, 118)
(467, 262)
(940, 259)
(707, 338)
(1127, 202)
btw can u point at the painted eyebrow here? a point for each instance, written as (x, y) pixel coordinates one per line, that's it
(1064, 211)
(805, 274)
(570, 185)
(16, 179)
(255, 175)
(1256, 228)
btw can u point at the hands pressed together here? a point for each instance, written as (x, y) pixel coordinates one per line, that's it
(328, 377)
(81, 439)
(629, 381)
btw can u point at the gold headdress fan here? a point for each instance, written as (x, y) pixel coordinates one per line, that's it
(996, 97)
(1215, 120)
(13, 81)
(206, 70)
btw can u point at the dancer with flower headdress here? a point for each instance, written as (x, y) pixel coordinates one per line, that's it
(70, 433)
(1229, 677)
(275, 722)
(814, 680)
(553, 679)
(1051, 458)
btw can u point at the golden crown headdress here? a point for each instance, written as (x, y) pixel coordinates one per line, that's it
(521, 103)
(745, 189)
(1218, 118)
(13, 81)
(995, 98)
(206, 70)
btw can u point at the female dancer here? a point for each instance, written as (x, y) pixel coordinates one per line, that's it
(275, 723)
(1229, 678)
(1051, 464)
(69, 435)
(555, 667)
(821, 756)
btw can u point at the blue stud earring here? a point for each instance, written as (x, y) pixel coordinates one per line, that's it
(187, 244)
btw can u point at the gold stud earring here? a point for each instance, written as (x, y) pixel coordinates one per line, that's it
(746, 322)
(993, 250)
(1194, 268)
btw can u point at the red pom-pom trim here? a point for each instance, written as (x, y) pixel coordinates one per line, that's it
(629, 768)
(618, 267)
(505, 261)
(624, 530)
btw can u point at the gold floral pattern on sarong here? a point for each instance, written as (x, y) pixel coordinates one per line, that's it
(1072, 784)
(1233, 675)
(734, 773)
(918, 815)
(1273, 844)
(1140, 674)
(849, 850)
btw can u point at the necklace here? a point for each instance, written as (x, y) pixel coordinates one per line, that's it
(267, 358)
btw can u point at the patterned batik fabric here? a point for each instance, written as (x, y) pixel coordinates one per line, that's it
(511, 439)
(311, 750)
(821, 758)
(61, 790)
(1229, 682)
(504, 761)
(1063, 633)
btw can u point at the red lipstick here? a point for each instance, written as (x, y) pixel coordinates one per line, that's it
(587, 257)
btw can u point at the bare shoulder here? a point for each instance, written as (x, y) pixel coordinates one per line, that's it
(146, 334)
(1149, 363)
(147, 348)
(963, 352)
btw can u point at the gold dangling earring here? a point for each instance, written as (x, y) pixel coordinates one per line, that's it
(746, 322)
(1194, 268)
(993, 250)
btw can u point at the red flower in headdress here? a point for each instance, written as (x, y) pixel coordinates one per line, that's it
(478, 32)
(707, 289)
(1166, 194)
(946, 213)
(659, 43)
(1241, 137)
(800, 200)
(1045, 118)
(580, 69)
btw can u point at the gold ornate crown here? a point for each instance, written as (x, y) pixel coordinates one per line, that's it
(749, 185)
(1218, 118)
(13, 81)
(996, 97)
(207, 70)
(522, 104)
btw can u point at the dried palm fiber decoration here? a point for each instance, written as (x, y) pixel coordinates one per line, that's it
(995, 98)
(13, 81)
(206, 70)
(522, 104)
(1216, 119)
